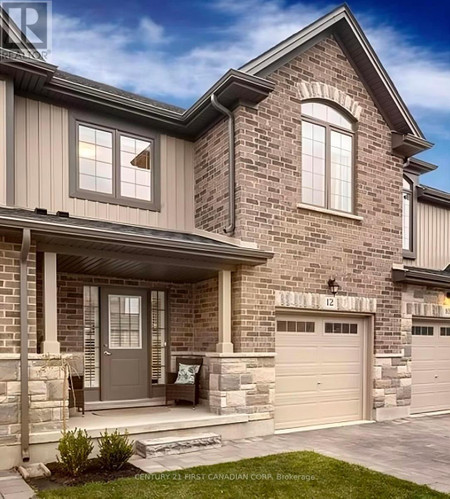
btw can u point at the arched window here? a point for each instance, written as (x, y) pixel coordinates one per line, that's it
(407, 215)
(327, 157)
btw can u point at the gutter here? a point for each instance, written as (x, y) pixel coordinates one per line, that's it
(433, 196)
(149, 242)
(231, 165)
(24, 419)
(418, 276)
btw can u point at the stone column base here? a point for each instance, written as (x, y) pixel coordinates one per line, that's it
(241, 383)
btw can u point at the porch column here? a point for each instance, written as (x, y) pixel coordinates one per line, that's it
(224, 345)
(49, 302)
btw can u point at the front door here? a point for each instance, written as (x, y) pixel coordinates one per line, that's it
(124, 347)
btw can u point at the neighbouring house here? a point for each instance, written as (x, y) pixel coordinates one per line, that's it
(277, 228)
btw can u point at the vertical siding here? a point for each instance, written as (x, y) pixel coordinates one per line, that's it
(2, 142)
(433, 237)
(42, 172)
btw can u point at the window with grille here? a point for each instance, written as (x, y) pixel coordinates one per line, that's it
(158, 327)
(341, 328)
(295, 327)
(327, 157)
(445, 331)
(407, 215)
(125, 322)
(91, 328)
(423, 330)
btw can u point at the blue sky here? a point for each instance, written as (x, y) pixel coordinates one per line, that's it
(173, 50)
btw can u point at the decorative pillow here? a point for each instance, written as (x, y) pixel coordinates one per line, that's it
(186, 374)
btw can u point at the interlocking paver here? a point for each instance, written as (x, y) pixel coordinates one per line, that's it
(415, 449)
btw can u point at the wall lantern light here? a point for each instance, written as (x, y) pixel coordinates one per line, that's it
(333, 286)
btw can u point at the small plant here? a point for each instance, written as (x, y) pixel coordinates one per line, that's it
(74, 449)
(114, 450)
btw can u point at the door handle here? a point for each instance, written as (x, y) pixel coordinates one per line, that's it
(107, 353)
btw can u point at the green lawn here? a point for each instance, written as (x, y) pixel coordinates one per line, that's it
(304, 475)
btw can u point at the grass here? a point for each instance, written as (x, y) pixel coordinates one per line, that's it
(317, 476)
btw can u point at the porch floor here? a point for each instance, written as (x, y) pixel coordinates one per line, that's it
(150, 419)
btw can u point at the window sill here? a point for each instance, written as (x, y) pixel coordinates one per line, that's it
(326, 211)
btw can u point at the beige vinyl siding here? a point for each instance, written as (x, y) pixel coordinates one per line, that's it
(433, 237)
(42, 172)
(2, 142)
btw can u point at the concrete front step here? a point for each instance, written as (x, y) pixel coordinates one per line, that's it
(177, 445)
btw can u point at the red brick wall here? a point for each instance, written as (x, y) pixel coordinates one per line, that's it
(70, 309)
(211, 179)
(10, 296)
(205, 322)
(310, 247)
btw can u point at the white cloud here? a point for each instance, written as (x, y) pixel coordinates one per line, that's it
(107, 52)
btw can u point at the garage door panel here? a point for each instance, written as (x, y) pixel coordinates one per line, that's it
(340, 382)
(297, 354)
(349, 368)
(294, 384)
(318, 376)
(430, 368)
(336, 355)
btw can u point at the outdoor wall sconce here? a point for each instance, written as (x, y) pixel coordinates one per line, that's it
(333, 286)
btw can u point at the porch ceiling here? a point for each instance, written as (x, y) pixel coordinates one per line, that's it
(129, 269)
(102, 248)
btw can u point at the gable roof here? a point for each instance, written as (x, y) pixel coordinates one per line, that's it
(342, 24)
(249, 84)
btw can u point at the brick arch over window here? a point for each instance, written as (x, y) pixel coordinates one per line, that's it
(316, 90)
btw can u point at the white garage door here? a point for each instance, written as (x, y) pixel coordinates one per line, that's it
(319, 370)
(430, 366)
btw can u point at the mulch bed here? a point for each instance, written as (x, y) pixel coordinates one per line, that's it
(93, 473)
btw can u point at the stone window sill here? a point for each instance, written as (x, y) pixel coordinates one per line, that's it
(342, 214)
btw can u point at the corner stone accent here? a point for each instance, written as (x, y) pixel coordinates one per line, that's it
(47, 394)
(316, 90)
(427, 310)
(316, 301)
(177, 445)
(242, 385)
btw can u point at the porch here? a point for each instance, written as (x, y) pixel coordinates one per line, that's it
(173, 293)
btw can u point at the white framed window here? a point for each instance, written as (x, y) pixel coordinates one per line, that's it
(327, 158)
(125, 322)
(135, 168)
(159, 332)
(91, 329)
(407, 209)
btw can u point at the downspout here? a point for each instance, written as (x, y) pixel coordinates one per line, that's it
(25, 429)
(231, 166)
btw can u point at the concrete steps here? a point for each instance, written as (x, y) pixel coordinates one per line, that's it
(177, 445)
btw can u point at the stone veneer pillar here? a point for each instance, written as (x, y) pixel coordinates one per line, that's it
(242, 383)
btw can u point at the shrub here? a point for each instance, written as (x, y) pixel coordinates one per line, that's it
(74, 449)
(114, 450)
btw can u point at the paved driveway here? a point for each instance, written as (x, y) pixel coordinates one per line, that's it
(415, 449)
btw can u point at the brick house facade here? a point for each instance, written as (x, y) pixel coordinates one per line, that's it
(279, 349)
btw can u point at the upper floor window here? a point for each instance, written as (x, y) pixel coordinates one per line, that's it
(407, 215)
(327, 158)
(113, 166)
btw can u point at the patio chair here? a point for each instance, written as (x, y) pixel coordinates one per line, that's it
(188, 393)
